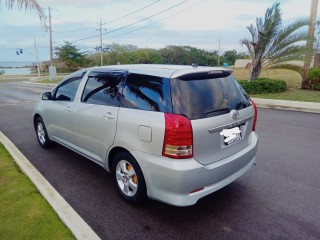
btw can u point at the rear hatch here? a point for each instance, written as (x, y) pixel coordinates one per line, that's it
(221, 113)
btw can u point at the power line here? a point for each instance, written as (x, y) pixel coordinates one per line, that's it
(132, 12)
(177, 13)
(114, 20)
(128, 25)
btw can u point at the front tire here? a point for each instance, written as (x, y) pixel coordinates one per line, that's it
(129, 179)
(42, 134)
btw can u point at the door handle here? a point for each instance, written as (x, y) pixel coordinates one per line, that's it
(68, 109)
(108, 115)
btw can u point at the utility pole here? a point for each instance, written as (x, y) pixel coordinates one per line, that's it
(50, 32)
(219, 39)
(309, 46)
(35, 46)
(101, 47)
(52, 69)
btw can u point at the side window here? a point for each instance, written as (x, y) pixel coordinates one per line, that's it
(101, 90)
(67, 90)
(146, 93)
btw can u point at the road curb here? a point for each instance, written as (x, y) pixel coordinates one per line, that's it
(40, 84)
(310, 107)
(79, 228)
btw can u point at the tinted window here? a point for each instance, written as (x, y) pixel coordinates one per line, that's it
(67, 90)
(207, 97)
(103, 89)
(146, 93)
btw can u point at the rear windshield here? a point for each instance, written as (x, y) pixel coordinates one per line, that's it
(204, 98)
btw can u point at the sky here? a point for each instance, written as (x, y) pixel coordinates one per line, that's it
(205, 24)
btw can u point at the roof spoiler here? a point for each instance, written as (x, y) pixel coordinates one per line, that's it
(199, 75)
(109, 73)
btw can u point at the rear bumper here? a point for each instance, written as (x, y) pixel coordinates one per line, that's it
(172, 181)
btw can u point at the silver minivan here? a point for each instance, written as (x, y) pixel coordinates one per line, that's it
(166, 132)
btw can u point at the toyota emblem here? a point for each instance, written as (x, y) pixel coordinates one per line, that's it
(235, 115)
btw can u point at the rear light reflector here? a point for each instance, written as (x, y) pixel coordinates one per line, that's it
(255, 115)
(178, 142)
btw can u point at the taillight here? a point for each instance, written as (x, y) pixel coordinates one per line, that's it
(255, 115)
(178, 141)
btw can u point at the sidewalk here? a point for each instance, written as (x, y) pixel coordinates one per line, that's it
(288, 105)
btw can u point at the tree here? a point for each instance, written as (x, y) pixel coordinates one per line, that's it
(173, 54)
(119, 53)
(130, 54)
(187, 55)
(70, 55)
(146, 56)
(27, 5)
(230, 57)
(272, 46)
(201, 57)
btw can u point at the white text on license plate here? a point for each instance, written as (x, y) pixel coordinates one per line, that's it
(231, 135)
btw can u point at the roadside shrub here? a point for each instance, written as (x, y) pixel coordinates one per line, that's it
(263, 85)
(2, 71)
(314, 79)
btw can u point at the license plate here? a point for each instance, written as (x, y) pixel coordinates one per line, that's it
(231, 135)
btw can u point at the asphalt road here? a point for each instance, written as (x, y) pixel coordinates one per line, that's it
(277, 199)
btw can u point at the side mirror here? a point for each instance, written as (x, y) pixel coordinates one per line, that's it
(46, 96)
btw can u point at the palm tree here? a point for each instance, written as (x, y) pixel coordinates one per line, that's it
(272, 46)
(26, 5)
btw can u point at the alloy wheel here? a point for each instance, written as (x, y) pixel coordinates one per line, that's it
(127, 179)
(41, 133)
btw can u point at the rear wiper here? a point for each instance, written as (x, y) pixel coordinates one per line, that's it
(218, 110)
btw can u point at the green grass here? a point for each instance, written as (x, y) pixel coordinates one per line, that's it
(24, 213)
(292, 95)
(293, 80)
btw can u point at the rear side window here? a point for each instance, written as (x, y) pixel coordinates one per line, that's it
(102, 89)
(146, 92)
(204, 98)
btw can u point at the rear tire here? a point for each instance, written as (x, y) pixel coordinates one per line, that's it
(42, 134)
(128, 179)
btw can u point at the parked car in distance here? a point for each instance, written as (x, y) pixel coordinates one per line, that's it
(165, 132)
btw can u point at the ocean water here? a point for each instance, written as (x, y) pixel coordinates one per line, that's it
(7, 64)
(16, 71)
(16, 68)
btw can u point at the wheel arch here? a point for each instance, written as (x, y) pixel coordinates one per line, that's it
(35, 117)
(141, 195)
(112, 153)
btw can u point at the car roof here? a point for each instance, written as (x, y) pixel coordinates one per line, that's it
(163, 70)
